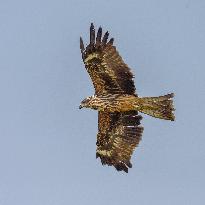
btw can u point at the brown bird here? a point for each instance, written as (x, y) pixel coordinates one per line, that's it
(115, 98)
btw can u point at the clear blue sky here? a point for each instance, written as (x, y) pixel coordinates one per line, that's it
(47, 145)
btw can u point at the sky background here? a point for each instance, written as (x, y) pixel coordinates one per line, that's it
(47, 145)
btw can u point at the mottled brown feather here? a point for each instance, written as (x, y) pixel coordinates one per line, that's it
(118, 136)
(105, 66)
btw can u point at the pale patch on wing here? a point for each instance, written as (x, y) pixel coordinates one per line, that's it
(91, 56)
(105, 152)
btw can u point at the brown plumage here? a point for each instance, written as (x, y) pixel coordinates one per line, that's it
(119, 130)
(118, 135)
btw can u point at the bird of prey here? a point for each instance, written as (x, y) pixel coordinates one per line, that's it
(117, 103)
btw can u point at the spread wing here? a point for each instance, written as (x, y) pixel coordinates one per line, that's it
(118, 135)
(105, 66)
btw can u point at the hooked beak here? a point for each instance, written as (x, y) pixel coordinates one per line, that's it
(80, 107)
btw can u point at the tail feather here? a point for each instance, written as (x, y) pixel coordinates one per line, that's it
(159, 107)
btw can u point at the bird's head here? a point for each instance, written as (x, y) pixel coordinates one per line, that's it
(87, 102)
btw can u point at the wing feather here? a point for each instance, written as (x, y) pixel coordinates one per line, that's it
(92, 35)
(98, 38)
(105, 66)
(105, 38)
(118, 136)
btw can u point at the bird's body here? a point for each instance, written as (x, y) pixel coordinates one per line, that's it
(115, 98)
(112, 102)
(154, 106)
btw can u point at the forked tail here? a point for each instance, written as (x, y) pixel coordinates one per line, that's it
(159, 107)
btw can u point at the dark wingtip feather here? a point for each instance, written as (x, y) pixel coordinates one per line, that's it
(97, 155)
(121, 167)
(99, 36)
(82, 48)
(111, 41)
(81, 44)
(171, 95)
(92, 34)
(129, 164)
(105, 37)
